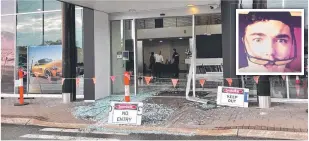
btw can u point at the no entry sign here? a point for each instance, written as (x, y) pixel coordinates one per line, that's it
(125, 113)
(231, 96)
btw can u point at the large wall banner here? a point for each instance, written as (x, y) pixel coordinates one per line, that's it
(45, 69)
(8, 33)
(270, 42)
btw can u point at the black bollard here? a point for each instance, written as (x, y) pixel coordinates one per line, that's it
(263, 92)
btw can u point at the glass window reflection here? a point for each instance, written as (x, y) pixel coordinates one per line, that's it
(52, 28)
(29, 29)
(24, 6)
(52, 5)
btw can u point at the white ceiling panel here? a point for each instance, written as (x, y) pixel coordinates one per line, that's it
(119, 6)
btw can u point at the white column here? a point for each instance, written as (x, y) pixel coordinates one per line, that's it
(193, 54)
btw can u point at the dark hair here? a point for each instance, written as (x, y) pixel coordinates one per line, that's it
(284, 17)
(152, 53)
(174, 49)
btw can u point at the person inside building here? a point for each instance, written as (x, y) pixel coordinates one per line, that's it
(176, 63)
(152, 62)
(158, 65)
(269, 42)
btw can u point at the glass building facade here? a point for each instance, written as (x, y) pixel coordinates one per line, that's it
(31, 34)
(32, 28)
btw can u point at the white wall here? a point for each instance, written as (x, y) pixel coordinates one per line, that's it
(102, 55)
(169, 32)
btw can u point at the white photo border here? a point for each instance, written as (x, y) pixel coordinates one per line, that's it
(238, 11)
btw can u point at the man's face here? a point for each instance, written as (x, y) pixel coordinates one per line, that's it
(271, 40)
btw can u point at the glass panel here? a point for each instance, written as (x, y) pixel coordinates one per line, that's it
(117, 64)
(29, 33)
(8, 7)
(8, 33)
(298, 91)
(52, 5)
(79, 27)
(29, 29)
(208, 43)
(52, 28)
(25, 6)
(79, 45)
(277, 87)
(129, 47)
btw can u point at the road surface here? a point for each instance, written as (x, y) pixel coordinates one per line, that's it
(26, 132)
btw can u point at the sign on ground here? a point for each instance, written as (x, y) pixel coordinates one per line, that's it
(232, 96)
(125, 113)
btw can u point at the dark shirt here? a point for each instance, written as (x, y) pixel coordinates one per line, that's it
(176, 58)
(152, 59)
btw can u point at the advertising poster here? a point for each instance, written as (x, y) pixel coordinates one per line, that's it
(45, 69)
(269, 41)
(8, 33)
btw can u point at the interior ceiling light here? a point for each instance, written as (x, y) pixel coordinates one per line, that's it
(161, 41)
(180, 38)
(190, 5)
(39, 9)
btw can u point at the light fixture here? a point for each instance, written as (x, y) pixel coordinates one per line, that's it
(161, 41)
(39, 9)
(180, 38)
(190, 5)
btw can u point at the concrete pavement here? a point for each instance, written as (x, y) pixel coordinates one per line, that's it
(282, 121)
(42, 109)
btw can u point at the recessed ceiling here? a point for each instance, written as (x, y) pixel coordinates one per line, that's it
(117, 6)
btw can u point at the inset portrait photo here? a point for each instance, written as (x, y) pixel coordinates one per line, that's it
(270, 42)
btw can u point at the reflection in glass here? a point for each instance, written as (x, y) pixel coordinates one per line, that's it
(79, 47)
(79, 27)
(8, 7)
(29, 6)
(277, 87)
(301, 93)
(117, 64)
(52, 5)
(29, 29)
(7, 53)
(79, 40)
(52, 28)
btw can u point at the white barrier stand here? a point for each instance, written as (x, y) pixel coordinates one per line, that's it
(129, 113)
